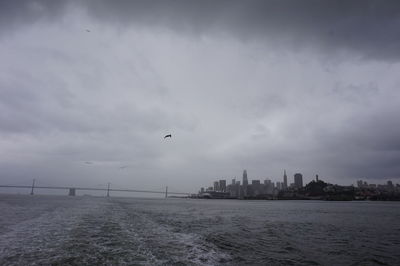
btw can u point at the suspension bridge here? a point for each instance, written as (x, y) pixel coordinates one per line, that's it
(72, 190)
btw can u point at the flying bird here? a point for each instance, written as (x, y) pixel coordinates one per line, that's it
(87, 30)
(168, 136)
(88, 162)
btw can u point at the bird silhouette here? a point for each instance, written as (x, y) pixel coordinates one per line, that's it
(87, 30)
(168, 136)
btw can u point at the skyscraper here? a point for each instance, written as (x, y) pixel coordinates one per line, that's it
(245, 183)
(298, 180)
(222, 185)
(284, 179)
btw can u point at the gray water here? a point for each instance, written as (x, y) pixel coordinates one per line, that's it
(58, 230)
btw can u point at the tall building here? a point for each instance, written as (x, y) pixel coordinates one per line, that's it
(256, 187)
(245, 183)
(222, 185)
(284, 180)
(234, 190)
(268, 186)
(216, 186)
(298, 180)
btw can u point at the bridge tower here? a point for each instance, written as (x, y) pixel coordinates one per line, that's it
(108, 190)
(166, 192)
(33, 186)
(72, 192)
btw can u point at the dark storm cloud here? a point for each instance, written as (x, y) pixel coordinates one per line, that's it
(25, 12)
(370, 29)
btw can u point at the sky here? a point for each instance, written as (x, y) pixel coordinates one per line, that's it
(88, 89)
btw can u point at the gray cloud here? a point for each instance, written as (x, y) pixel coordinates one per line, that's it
(262, 85)
(370, 29)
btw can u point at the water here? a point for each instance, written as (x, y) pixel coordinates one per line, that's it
(58, 230)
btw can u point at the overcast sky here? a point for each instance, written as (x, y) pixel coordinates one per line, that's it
(88, 89)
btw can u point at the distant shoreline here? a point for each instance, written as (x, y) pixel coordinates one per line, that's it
(203, 198)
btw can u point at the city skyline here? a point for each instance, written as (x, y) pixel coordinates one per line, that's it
(316, 189)
(245, 182)
(305, 179)
(284, 179)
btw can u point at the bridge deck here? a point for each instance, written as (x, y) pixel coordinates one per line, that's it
(97, 189)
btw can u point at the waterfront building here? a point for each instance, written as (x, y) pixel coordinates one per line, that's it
(216, 186)
(222, 185)
(256, 187)
(241, 193)
(268, 186)
(230, 189)
(298, 180)
(234, 189)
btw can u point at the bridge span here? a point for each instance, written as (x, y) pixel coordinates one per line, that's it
(72, 190)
